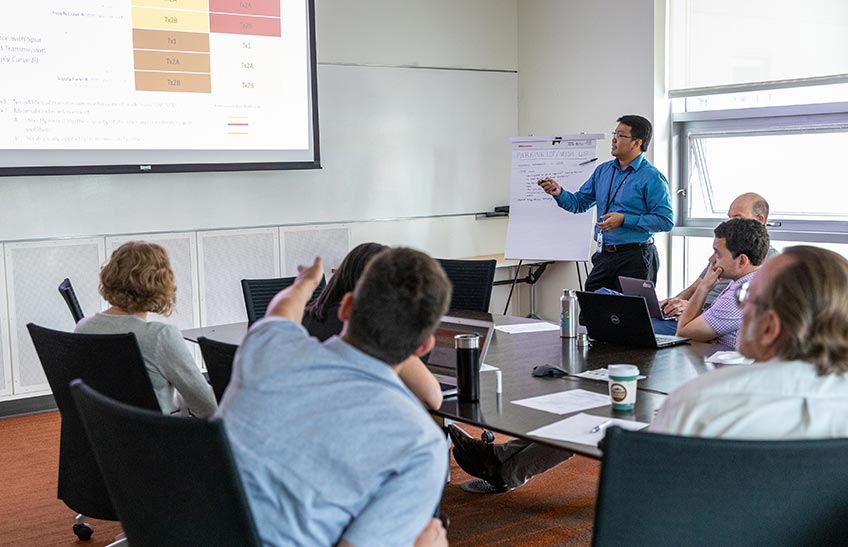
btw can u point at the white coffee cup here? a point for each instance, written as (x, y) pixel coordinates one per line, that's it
(622, 386)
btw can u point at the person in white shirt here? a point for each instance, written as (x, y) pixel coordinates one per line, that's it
(795, 326)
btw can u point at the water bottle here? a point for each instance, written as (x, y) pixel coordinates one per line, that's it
(467, 367)
(568, 314)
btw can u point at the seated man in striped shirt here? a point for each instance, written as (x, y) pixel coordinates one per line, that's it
(740, 247)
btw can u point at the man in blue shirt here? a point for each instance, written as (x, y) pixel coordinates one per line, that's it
(633, 203)
(332, 447)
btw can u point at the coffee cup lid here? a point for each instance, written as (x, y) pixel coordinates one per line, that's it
(623, 370)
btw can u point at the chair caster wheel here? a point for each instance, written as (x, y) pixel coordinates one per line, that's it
(487, 436)
(83, 531)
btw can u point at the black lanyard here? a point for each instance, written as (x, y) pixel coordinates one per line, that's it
(611, 198)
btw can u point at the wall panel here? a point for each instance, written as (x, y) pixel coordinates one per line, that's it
(33, 273)
(300, 246)
(227, 257)
(5, 358)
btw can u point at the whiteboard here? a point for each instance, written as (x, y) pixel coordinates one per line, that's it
(538, 229)
(395, 143)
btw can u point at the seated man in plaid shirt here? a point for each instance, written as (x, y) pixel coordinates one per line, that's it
(740, 247)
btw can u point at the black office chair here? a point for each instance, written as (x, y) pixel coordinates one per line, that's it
(668, 490)
(112, 363)
(259, 292)
(472, 283)
(67, 292)
(218, 357)
(173, 480)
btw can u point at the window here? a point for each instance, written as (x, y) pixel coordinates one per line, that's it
(724, 44)
(789, 155)
(789, 159)
(753, 112)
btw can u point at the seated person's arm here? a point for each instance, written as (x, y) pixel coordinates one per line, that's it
(697, 329)
(676, 305)
(434, 535)
(176, 364)
(404, 504)
(691, 323)
(688, 292)
(421, 382)
(290, 302)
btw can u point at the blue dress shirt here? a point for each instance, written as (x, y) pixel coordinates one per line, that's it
(640, 192)
(330, 444)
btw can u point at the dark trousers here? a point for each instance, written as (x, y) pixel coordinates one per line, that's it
(639, 261)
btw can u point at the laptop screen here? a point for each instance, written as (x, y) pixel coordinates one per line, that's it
(632, 286)
(621, 319)
(442, 360)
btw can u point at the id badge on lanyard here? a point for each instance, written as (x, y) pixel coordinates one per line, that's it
(599, 237)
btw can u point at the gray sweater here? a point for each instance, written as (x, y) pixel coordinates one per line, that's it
(177, 382)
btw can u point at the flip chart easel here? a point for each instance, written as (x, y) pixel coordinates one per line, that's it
(538, 229)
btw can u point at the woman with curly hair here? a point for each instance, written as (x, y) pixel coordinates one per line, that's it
(138, 280)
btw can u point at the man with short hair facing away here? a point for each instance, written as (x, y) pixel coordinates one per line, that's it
(747, 205)
(795, 325)
(740, 247)
(332, 447)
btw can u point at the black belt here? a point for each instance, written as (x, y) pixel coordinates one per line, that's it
(625, 246)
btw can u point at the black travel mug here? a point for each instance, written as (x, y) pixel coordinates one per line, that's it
(467, 367)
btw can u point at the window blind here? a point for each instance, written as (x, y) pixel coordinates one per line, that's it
(720, 46)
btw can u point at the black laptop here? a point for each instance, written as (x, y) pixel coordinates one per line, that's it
(632, 286)
(622, 320)
(442, 360)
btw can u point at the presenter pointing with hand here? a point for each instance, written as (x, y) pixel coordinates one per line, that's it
(633, 203)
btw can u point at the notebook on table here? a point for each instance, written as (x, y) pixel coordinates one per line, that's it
(622, 320)
(632, 286)
(442, 360)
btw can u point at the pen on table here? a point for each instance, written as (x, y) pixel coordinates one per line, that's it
(587, 161)
(600, 427)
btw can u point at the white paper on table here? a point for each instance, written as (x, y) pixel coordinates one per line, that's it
(565, 402)
(600, 374)
(578, 428)
(527, 327)
(486, 368)
(728, 358)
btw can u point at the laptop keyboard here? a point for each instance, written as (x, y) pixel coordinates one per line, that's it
(662, 338)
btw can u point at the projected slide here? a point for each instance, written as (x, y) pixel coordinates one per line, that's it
(155, 75)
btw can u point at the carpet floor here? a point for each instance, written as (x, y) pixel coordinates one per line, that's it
(553, 509)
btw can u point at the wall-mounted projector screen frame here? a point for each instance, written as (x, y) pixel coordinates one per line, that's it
(157, 86)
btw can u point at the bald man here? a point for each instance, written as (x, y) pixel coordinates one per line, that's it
(748, 205)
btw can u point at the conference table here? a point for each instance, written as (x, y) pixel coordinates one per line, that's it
(516, 355)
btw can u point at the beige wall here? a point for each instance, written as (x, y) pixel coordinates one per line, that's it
(582, 65)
